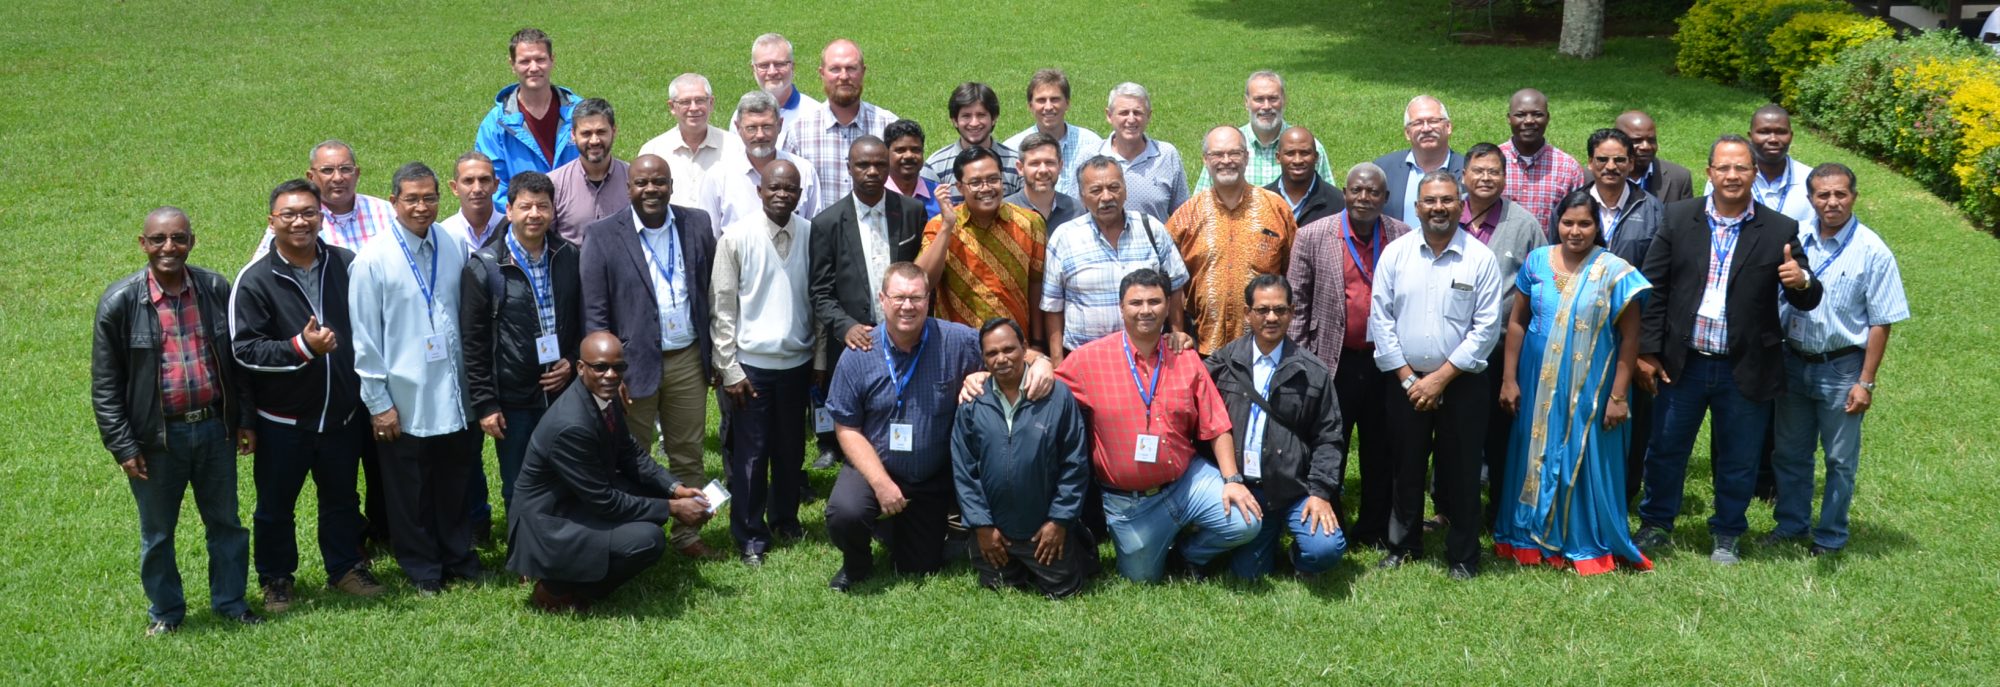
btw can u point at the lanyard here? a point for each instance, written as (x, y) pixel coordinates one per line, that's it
(1145, 394)
(423, 285)
(1375, 243)
(1828, 263)
(544, 301)
(1784, 189)
(665, 266)
(901, 380)
(1715, 245)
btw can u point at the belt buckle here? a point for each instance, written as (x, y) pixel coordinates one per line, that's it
(194, 416)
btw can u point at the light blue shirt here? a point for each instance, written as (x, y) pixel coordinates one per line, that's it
(1078, 144)
(1787, 194)
(1155, 182)
(1415, 174)
(1261, 369)
(391, 321)
(1864, 289)
(663, 253)
(1429, 309)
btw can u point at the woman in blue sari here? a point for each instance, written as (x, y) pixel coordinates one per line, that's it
(1572, 341)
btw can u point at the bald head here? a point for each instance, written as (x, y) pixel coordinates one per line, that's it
(1528, 117)
(780, 191)
(602, 367)
(1298, 156)
(166, 241)
(167, 216)
(1225, 152)
(1638, 126)
(649, 183)
(840, 71)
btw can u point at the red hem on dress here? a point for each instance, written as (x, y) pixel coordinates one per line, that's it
(1593, 566)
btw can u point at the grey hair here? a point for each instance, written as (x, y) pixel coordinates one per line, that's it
(1366, 168)
(768, 40)
(169, 212)
(1263, 74)
(686, 80)
(755, 102)
(1099, 162)
(329, 143)
(1129, 90)
(1442, 175)
(1446, 114)
(471, 155)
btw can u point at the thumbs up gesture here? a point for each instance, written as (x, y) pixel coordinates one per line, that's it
(1790, 273)
(319, 339)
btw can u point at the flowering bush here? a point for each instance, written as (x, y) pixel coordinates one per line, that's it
(1815, 38)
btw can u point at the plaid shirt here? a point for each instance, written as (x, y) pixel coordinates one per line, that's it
(187, 378)
(1187, 408)
(822, 140)
(1081, 274)
(371, 216)
(1711, 335)
(1078, 145)
(1263, 167)
(937, 168)
(1539, 183)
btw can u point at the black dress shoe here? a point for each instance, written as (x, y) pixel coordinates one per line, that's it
(160, 627)
(1394, 561)
(789, 536)
(827, 460)
(1816, 551)
(754, 560)
(841, 581)
(1462, 572)
(247, 618)
(428, 588)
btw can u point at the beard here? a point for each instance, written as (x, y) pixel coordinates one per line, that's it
(1227, 178)
(843, 96)
(1276, 118)
(764, 151)
(781, 91)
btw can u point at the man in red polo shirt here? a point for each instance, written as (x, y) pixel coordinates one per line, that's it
(1148, 403)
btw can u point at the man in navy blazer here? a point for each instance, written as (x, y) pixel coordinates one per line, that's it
(645, 279)
(1428, 127)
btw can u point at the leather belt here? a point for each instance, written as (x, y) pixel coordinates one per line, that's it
(193, 416)
(1696, 352)
(1139, 494)
(1835, 354)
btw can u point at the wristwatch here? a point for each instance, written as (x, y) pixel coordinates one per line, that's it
(1870, 386)
(1409, 381)
(1233, 479)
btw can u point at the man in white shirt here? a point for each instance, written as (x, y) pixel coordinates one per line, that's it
(771, 64)
(1780, 183)
(473, 183)
(693, 146)
(730, 190)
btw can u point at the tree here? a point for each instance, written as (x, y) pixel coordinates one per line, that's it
(1583, 29)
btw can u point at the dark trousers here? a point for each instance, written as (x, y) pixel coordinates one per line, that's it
(916, 540)
(1062, 579)
(635, 546)
(1499, 432)
(767, 455)
(510, 452)
(1363, 390)
(1642, 432)
(425, 479)
(1705, 386)
(286, 456)
(374, 496)
(1448, 440)
(200, 457)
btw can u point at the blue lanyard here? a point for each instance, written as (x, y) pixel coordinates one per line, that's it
(665, 266)
(901, 380)
(1145, 394)
(1353, 251)
(423, 285)
(1784, 189)
(544, 302)
(1828, 264)
(1715, 244)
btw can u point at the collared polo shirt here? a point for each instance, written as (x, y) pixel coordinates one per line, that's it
(690, 165)
(1155, 181)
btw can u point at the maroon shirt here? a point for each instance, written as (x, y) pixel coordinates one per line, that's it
(544, 127)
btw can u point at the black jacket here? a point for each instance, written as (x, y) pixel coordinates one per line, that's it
(1302, 396)
(502, 371)
(1397, 169)
(1326, 199)
(1017, 479)
(840, 294)
(125, 363)
(578, 482)
(267, 312)
(1639, 219)
(618, 290)
(1677, 265)
(1669, 182)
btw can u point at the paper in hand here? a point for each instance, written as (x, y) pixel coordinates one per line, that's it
(716, 495)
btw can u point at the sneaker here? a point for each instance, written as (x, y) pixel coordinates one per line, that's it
(1725, 550)
(1816, 551)
(161, 628)
(358, 582)
(278, 596)
(1461, 572)
(1775, 539)
(1651, 537)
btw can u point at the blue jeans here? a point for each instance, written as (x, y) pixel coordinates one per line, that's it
(201, 456)
(1738, 430)
(1142, 529)
(1814, 411)
(510, 451)
(286, 455)
(1311, 553)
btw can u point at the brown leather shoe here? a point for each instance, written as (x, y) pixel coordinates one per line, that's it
(359, 582)
(543, 599)
(701, 551)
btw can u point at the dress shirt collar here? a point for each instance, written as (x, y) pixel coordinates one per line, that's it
(155, 295)
(1456, 245)
(645, 230)
(1152, 150)
(602, 403)
(775, 228)
(1311, 187)
(713, 139)
(792, 103)
(418, 243)
(922, 190)
(1259, 357)
(1515, 156)
(863, 210)
(1641, 179)
(1840, 238)
(1749, 211)
(1625, 200)
(1783, 181)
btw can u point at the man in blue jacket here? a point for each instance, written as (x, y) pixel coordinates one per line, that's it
(528, 128)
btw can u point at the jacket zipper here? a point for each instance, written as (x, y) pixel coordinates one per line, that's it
(326, 393)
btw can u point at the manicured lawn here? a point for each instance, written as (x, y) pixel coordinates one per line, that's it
(206, 104)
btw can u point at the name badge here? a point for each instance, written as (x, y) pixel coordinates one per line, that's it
(1795, 329)
(1253, 462)
(822, 421)
(546, 350)
(1148, 449)
(900, 437)
(1711, 304)
(434, 348)
(715, 494)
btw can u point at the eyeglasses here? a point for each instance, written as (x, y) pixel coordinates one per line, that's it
(601, 368)
(162, 239)
(343, 170)
(771, 66)
(988, 182)
(757, 129)
(694, 102)
(1421, 124)
(1268, 100)
(1269, 310)
(1611, 159)
(1225, 154)
(1486, 172)
(289, 217)
(907, 300)
(1725, 169)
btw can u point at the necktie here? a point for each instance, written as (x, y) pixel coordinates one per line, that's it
(610, 420)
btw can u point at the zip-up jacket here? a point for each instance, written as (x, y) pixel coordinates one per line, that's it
(1304, 452)
(267, 313)
(504, 137)
(502, 371)
(125, 363)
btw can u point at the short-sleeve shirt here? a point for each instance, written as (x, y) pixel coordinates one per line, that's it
(1224, 250)
(1186, 409)
(1155, 182)
(862, 395)
(991, 271)
(1080, 279)
(1864, 288)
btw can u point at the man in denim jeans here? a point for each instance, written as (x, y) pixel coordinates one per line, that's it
(165, 394)
(1835, 350)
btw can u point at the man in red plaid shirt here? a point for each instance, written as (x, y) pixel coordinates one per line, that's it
(1148, 400)
(1538, 175)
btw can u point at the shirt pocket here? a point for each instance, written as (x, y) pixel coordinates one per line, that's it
(944, 399)
(1459, 304)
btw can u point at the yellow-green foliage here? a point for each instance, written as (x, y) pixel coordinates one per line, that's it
(1815, 38)
(1970, 88)
(1728, 41)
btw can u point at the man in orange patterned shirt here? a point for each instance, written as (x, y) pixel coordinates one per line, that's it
(990, 264)
(1228, 234)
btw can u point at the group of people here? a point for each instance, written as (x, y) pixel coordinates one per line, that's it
(1074, 343)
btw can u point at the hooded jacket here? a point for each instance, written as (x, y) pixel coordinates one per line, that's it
(504, 136)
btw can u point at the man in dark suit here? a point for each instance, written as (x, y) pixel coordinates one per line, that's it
(1428, 127)
(1311, 197)
(645, 279)
(1669, 182)
(590, 502)
(853, 241)
(1711, 337)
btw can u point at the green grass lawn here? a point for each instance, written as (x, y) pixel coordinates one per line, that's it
(119, 107)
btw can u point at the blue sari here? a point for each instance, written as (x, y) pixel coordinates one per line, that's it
(1563, 501)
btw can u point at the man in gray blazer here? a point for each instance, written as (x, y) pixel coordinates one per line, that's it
(1428, 127)
(1512, 232)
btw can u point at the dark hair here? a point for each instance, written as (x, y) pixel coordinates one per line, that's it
(1266, 281)
(903, 127)
(1579, 198)
(1728, 138)
(530, 182)
(1598, 138)
(295, 186)
(971, 155)
(415, 171)
(1099, 162)
(1483, 150)
(530, 35)
(1442, 174)
(1144, 276)
(1048, 77)
(1832, 169)
(1040, 140)
(592, 107)
(972, 92)
(996, 323)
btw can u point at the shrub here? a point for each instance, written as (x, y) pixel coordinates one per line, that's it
(1727, 41)
(1755, 30)
(1707, 41)
(1815, 38)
